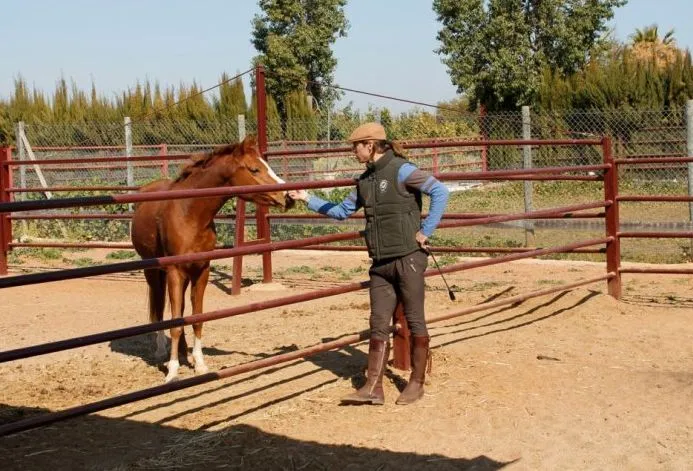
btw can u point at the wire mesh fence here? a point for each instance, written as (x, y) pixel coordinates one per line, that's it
(634, 133)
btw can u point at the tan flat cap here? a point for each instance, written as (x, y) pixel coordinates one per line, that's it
(368, 131)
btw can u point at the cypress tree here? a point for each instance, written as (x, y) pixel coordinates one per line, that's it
(78, 104)
(60, 102)
(231, 101)
(274, 127)
(301, 121)
(224, 103)
(5, 124)
(20, 102)
(238, 101)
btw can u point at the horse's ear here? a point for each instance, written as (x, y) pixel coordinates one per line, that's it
(248, 142)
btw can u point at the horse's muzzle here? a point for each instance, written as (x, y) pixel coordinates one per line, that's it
(288, 201)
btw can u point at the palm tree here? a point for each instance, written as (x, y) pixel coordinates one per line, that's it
(650, 34)
(648, 46)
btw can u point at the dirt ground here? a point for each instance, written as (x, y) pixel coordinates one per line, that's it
(572, 380)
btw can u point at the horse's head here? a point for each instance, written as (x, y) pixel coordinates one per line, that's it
(250, 169)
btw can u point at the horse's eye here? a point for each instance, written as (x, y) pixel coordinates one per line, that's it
(254, 171)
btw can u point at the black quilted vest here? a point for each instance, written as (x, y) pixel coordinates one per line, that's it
(393, 214)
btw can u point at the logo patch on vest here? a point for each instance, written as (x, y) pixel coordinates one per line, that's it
(383, 186)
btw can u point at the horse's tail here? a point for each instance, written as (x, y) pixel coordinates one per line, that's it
(156, 279)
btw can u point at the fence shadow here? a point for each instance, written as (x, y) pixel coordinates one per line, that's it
(505, 325)
(96, 442)
(350, 362)
(222, 280)
(668, 300)
(143, 347)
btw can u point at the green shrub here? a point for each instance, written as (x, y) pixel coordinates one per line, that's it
(122, 254)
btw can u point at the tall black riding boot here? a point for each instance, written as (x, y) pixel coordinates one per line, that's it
(419, 360)
(372, 391)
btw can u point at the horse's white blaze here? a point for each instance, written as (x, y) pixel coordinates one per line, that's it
(271, 172)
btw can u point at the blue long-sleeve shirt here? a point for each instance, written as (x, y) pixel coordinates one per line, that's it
(409, 176)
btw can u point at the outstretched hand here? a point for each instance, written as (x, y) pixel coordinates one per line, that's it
(299, 195)
(422, 240)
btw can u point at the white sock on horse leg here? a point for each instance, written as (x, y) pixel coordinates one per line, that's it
(200, 366)
(173, 366)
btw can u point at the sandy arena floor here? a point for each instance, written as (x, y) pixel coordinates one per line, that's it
(573, 380)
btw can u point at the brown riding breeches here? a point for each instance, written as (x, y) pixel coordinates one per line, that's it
(398, 278)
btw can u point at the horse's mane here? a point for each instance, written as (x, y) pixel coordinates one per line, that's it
(204, 160)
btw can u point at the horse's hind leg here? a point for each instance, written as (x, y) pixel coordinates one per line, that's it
(176, 285)
(156, 279)
(182, 344)
(199, 283)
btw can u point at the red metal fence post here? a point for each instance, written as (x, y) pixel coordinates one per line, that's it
(5, 223)
(263, 226)
(613, 248)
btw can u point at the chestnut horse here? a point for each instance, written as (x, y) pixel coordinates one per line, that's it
(182, 226)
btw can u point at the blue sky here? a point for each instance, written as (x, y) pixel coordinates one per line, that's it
(388, 50)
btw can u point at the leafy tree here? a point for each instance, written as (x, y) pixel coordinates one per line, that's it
(496, 50)
(293, 38)
(623, 79)
(455, 109)
(422, 124)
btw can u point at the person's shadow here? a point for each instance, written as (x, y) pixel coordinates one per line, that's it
(349, 362)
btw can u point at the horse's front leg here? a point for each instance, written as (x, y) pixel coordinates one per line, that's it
(199, 283)
(176, 286)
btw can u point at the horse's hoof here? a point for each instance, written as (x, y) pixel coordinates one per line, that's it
(173, 367)
(171, 379)
(201, 369)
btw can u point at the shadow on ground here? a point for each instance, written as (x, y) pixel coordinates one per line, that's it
(95, 442)
(144, 346)
(222, 280)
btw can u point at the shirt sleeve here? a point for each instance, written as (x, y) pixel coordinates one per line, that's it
(339, 211)
(413, 178)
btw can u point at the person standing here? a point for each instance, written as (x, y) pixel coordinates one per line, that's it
(390, 192)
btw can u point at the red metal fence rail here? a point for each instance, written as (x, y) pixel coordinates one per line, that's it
(546, 173)
(640, 161)
(49, 418)
(611, 243)
(267, 248)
